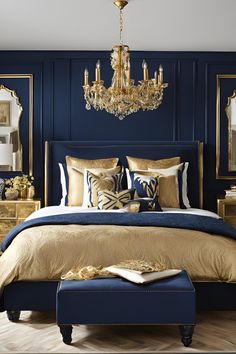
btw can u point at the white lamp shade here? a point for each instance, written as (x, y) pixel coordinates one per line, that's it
(6, 156)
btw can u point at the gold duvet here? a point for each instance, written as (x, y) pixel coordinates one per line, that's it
(47, 252)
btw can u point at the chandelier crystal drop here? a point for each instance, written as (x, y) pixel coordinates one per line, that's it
(123, 97)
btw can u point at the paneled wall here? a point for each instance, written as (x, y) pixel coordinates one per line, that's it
(188, 111)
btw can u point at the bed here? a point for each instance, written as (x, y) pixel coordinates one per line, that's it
(39, 295)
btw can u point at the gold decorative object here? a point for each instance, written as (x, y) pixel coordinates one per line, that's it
(30, 192)
(142, 266)
(23, 193)
(92, 272)
(123, 97)
(23, 184)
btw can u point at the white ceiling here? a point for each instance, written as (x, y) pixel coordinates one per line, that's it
(191, 25)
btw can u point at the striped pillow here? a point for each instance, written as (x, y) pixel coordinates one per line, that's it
(99, 183)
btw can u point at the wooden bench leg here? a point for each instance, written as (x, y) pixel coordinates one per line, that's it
(13, 316)
(66, 332)
(186, 332)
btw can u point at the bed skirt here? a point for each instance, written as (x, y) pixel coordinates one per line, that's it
(41, 296)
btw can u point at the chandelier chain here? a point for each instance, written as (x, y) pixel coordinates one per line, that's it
(121, 26)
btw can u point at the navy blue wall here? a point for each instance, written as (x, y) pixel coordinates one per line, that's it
(187, 113)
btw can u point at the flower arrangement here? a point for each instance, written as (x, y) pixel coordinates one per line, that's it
(19, 183)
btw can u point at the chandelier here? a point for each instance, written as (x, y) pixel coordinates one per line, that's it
(123, 97)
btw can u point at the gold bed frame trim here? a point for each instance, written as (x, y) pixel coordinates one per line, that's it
(200, 167)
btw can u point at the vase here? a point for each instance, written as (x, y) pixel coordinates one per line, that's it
(23, 193)
(30, 192)
(2, 185)
(11, 194)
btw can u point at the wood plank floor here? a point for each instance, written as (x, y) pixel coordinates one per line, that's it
(37, 333)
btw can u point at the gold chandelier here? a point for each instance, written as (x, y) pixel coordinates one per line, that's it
(123, 97)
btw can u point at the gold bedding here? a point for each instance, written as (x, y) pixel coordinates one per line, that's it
(47, 252)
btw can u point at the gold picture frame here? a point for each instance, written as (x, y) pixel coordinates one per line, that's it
(30, 108)
(5, 113)
(220, 77)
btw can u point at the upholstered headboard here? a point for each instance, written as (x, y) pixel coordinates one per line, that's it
(55, 152)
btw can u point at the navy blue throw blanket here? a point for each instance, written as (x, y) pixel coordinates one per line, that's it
(174, 220)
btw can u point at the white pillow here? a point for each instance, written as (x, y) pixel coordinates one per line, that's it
(63, 184)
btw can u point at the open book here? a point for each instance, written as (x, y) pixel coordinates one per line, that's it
(140, 277)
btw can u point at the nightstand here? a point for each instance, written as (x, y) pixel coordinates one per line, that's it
(13, 212)
(226, 208)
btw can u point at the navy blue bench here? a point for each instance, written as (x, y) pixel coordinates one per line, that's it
(117, 301)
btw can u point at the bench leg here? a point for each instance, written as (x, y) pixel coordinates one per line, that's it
(13, 316)
(186, 332)
(66, 331)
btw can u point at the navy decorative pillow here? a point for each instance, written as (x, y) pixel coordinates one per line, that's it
(148, 204)
(146, 186)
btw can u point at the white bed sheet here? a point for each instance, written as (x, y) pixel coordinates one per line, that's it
(57, 210)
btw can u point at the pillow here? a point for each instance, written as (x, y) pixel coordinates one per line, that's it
(182, 170)
(136, 163)
(62, 168)
(168, 187)
(108, 200)
(99, 172)
(145, 186)
(147, 204)
(75, 169)
(97, 184)
(169, 192)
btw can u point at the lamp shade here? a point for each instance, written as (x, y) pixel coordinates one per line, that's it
(6, 156)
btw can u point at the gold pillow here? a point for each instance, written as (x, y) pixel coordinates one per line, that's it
(168, 191)
(75, 169)
(136, 163)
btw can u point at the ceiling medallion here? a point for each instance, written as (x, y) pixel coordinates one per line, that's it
(123, 97)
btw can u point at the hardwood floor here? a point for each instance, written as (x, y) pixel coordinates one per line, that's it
(37, 333)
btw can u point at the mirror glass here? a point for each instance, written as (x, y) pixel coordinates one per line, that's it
(10, 143)
(231, 114)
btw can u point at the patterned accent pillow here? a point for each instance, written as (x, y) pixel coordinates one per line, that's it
(108, 200)
(146, 186)
(148, 204)
(146, 191)
(98, 183)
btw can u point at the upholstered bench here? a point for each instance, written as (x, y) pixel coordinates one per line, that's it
(117, 301)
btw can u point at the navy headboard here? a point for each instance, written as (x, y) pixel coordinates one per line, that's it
(55, 152)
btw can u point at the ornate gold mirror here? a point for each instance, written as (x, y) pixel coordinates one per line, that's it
(10, 143)
(231, 114)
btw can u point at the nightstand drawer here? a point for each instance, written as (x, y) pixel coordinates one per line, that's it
(8, 210)
(230, 210)
(6, 225)
(231, 220)
(24, 210)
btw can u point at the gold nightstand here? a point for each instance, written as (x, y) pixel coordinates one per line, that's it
(226, 208)
(13, 212)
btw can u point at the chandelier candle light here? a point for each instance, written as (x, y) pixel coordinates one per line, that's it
(123, 97)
